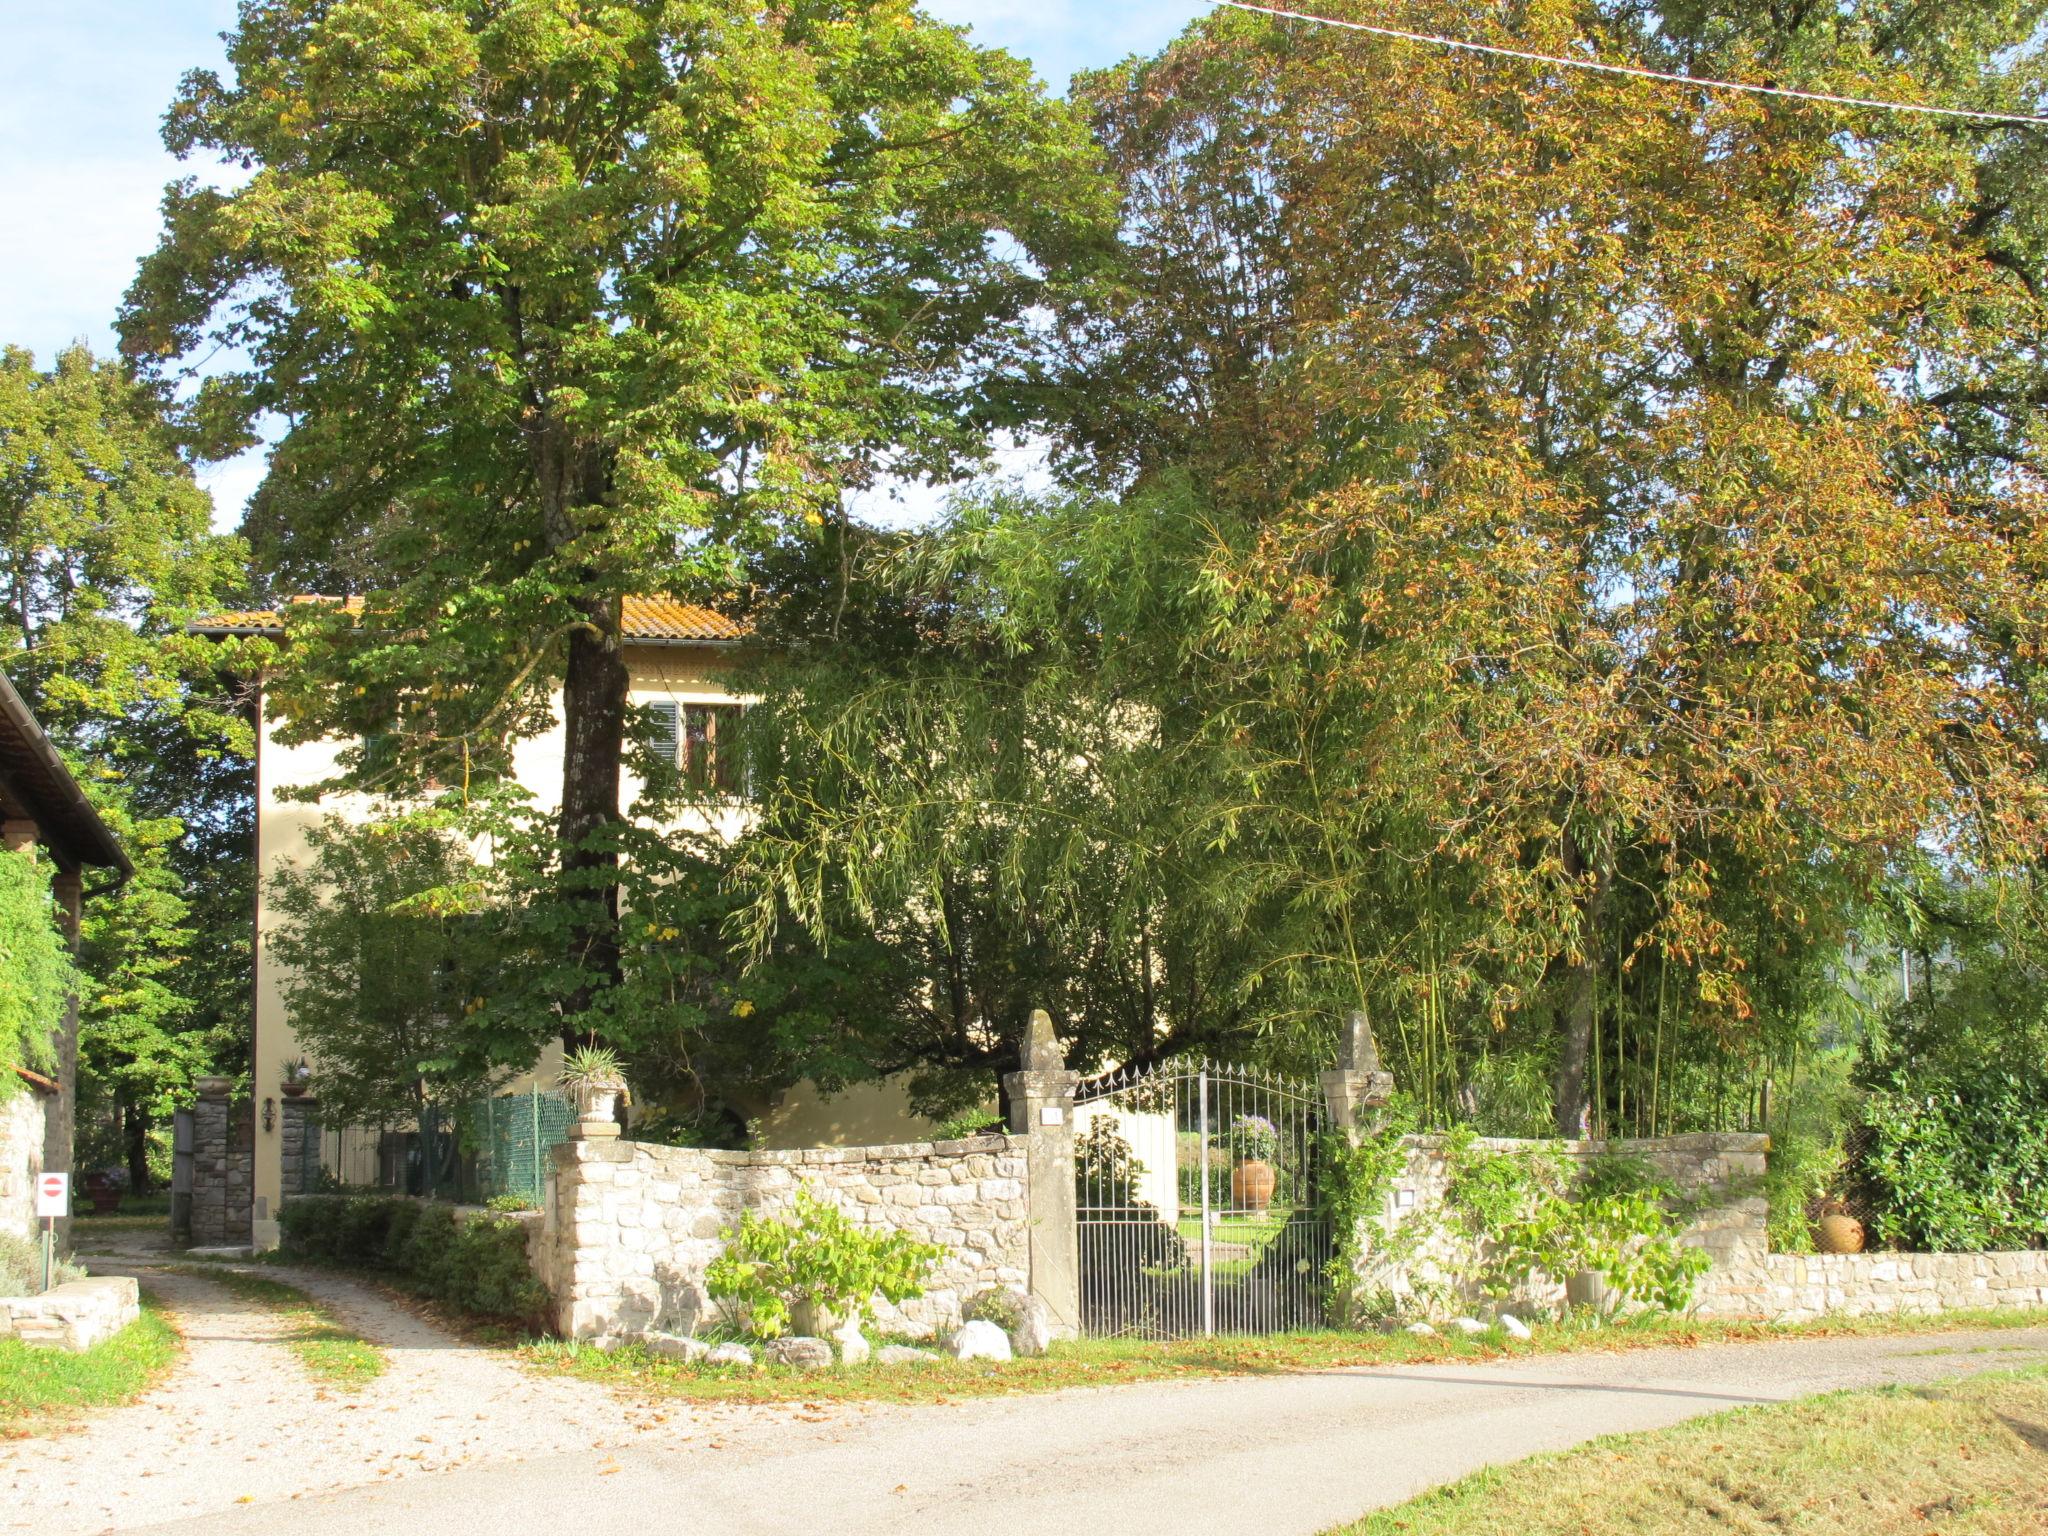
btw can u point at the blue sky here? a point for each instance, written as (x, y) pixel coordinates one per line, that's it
(83, 87)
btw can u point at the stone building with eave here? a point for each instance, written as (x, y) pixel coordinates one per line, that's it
(45, 815)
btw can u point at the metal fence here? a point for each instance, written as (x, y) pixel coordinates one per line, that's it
(469, 1154)
(1195, 1202)
(514, 1133)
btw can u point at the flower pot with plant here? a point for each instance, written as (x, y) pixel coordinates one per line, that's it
(593, 1078)
(105, 1186)
(298, 1077)
(1253, 1141)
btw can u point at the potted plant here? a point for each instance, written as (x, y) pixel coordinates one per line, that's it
(298, 1077)
(1253, 1141)
(105, 1186)
(595, 1080)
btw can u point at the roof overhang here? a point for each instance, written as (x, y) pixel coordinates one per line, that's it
(35, 783)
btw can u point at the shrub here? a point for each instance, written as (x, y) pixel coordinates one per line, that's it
(1962, 1163)
(770, 1266)
(21, 1266)
(478, 1265)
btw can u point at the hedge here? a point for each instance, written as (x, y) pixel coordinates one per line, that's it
(477, 1265)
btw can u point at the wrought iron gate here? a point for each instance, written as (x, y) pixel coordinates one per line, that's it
(1195, 1198)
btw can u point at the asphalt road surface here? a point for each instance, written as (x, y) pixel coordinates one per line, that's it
(1278, 1456)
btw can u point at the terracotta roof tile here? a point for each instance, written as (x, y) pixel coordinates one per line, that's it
(646, 618)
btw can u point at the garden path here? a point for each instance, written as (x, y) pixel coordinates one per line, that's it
(238, 1422)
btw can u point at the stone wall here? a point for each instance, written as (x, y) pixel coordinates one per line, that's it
(21, 1157)
(223, 1166)
(224, 1160)
(1752, 1282)
(73, 1316)
(1722, 1173)
(630, 1227)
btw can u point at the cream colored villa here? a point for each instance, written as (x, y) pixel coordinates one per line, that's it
(680, 658)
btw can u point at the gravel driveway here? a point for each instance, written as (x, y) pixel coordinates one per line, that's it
(461, 1438)
(239, 1422)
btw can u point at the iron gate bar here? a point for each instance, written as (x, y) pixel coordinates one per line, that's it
(1231, 1146)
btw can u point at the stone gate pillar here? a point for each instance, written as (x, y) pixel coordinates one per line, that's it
(1358, 1086)
(1042, 1111)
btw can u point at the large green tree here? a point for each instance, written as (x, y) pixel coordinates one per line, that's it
(558, 301)
(106, 548)
(1590, 529)
(383, 959)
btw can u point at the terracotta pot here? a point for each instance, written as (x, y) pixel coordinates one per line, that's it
(1838, 1232)
(1252, 1184)
(294, 1090)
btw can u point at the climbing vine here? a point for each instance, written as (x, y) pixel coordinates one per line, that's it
(36, 975)
(1514, 1214)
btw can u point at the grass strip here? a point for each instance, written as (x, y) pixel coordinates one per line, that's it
(41, 1388)
(1111, 1362)
(335, 1355)
(1965, 1458)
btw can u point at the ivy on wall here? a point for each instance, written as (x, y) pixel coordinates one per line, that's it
(37, 979)
(1507, 1216)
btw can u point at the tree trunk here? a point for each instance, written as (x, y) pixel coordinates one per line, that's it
(1582, 979)
(135, 1128)
(594, 727)
(575, 478)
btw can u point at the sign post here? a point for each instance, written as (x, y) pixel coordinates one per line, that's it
(53, 1199)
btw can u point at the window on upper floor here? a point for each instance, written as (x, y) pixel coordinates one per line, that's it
(702, 740)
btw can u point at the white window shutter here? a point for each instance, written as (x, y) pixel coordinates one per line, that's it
(664, 730)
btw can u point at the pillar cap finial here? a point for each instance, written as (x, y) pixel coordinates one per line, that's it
(1358, 1051)
(1042, 1051)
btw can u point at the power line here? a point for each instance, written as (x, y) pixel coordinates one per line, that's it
(1634, 71)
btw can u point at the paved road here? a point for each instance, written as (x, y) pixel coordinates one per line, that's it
(1278, 1456)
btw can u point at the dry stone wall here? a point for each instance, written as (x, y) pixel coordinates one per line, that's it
(73, 1316)
(630, 1227)
(1432, 1271)
(1752, 1282)
(223, 1169)
(21, 1158)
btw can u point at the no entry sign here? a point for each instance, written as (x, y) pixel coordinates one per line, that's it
(53, 1194)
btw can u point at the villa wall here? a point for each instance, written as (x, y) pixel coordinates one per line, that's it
(630, 1227)
(1749, 1281)
(1720, 1173)
(22, 1115)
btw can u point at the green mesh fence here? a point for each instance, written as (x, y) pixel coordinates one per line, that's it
(515, 1132)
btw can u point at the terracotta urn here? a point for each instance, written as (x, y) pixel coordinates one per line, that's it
(295, 1088)
(1838, 1232)
(1252, 1184)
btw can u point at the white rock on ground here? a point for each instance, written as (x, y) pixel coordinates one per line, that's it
(729, 1353)
(1034, 1333)
(904, 1354)
(1468, 1325)
(676, 1346)
(853, 1344)
(1420, 1330)
(801, 1351)
(1514, 1327)
(979, 1340)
